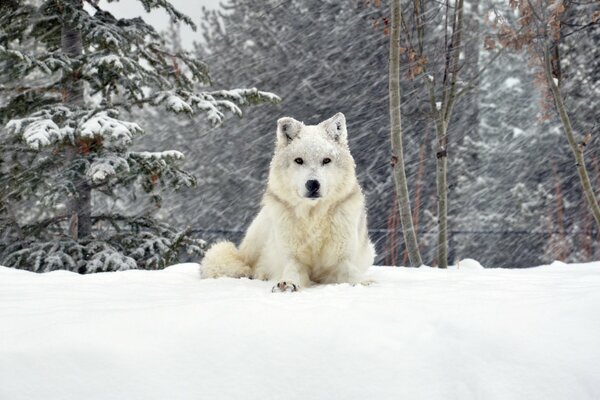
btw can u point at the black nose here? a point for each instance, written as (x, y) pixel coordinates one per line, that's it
(312, 186)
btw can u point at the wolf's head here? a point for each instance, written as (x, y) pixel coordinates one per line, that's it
(312, 162)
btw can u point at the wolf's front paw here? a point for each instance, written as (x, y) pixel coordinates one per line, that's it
(284, 286)
(364, 282)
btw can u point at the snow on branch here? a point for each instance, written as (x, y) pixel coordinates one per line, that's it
(111, 61)
(102, 168)
(47, 63)
(105, 30)
(246, 96)
(134, 47)
(175, 14)
(44, 257)
(155, 244)
(117, 132)
(110, 260)
(39, 133)
(173, 102)
(151, 248)
(40, 129)
(170, 155)
(212, 107)
(100, 68)
(213, 104)
(134, 242)
(160, 167)
(69, 255)
(54, 124)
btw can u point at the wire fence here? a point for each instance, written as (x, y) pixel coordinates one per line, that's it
(380, 237)
(228, 233)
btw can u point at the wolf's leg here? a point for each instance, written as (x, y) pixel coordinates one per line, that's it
(349, 272)
(293, 277)
(252, 245)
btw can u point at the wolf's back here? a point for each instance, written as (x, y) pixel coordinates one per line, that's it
(224, 259)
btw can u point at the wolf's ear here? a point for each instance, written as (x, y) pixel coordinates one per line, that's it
(336, 128)
(288, 129)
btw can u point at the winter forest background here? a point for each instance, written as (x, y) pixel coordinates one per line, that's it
(514, 197)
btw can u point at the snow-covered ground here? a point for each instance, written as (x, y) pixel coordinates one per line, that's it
(465, 333)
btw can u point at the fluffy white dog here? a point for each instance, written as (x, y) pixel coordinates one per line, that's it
(312, 227)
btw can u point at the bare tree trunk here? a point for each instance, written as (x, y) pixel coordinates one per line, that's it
(576, 148)
(468, 116)
(442, 196)
(444, 114)
(80, 206)
(408, 229)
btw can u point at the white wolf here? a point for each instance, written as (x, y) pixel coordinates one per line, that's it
(312, 227)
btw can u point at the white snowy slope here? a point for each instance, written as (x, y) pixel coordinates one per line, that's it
(465, 333)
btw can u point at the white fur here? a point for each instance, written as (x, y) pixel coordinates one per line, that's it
(296, 240)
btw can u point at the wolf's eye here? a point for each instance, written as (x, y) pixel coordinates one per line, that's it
(326, 160)
(299, 161)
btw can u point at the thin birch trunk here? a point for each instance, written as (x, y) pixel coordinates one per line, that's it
(442, 197)
(399, 173)
(576, 148)
(444, 114)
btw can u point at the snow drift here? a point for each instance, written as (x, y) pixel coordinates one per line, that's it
(463, 333)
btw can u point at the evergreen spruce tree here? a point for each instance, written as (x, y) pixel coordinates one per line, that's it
(68, 75)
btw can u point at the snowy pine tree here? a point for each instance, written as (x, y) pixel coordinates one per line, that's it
(68, 76)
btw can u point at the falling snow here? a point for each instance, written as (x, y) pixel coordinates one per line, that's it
(131, 140)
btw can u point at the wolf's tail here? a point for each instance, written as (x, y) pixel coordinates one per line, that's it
(224, 259)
